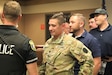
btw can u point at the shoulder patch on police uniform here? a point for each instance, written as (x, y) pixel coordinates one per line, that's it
(85, 50)
(32, 45)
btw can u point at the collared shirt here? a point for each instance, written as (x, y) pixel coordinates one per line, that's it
(90, 42)
(60, 55)
(104, 37)
(21, 47)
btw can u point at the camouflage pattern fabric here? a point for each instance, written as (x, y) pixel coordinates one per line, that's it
(59, 57)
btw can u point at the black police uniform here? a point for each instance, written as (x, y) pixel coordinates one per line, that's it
(10, 62)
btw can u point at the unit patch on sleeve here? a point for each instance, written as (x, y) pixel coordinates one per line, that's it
(32, 45)
(85, 50)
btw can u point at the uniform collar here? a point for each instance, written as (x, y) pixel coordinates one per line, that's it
(58, 40)
(7, 27)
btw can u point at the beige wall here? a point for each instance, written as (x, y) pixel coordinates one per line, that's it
(32, 23)
(62, 6)
(1, 7)
(32, 27)
(34, 16)
(109, 10)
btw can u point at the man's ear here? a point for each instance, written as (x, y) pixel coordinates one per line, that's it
(19, 17)
(81, 24)
(2, 17)
(0, 14)
(63, 25)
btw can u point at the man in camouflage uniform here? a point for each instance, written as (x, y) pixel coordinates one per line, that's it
(61, 51)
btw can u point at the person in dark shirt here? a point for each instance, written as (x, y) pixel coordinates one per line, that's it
(17, 51)
(92, 24)
(104, 35)
(77, 23)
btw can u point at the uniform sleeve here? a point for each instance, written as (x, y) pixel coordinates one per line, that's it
(84, 57)
(31, 55)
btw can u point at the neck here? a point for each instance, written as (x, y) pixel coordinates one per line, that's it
(56, 37)
(103, 26)
(9, 23)
(79, 33)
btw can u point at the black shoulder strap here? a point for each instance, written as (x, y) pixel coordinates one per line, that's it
(1, 37)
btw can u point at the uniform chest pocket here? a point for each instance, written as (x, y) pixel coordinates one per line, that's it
(65, 53)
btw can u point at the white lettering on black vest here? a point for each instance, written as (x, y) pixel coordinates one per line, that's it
(4, 49)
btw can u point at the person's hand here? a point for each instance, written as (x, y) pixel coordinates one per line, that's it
(108, 59)
(39, 46)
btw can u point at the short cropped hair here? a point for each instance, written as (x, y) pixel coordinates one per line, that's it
(60, 17)
(80, 16)
(12, 10)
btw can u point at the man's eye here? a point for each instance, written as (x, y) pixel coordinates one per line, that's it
(52, 25)
(72, 22)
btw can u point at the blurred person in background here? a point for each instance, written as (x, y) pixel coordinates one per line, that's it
(92, 24)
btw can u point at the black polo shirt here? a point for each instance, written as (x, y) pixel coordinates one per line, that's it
(91, 42)
(10, 61)
(105, 39)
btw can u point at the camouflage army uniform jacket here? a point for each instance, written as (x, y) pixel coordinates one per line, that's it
(60, 55)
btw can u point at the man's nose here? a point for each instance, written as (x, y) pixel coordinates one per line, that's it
(50, 27)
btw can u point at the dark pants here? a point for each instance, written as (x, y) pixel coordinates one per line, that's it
(76, 68)
(108, 69)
